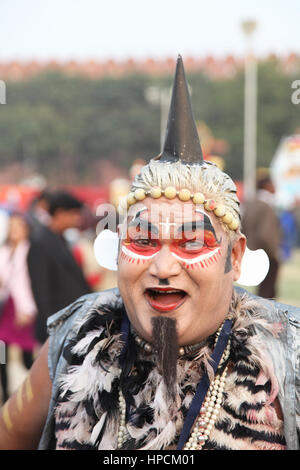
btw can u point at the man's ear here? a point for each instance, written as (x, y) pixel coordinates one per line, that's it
(237, 253)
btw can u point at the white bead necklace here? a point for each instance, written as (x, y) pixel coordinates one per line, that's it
(210, 407)
(189, 350)
(208, 413)
(122, 425)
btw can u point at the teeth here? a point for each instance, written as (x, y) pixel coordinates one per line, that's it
(167, 291)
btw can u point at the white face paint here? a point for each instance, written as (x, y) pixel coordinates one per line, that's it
(166, 227)
(136, 256)
(193, 243)
(203, 260)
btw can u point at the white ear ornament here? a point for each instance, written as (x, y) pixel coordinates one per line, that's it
(106, 249)
(254, 268)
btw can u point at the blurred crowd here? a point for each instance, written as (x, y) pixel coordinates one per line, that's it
(46, 263)
(274, 229)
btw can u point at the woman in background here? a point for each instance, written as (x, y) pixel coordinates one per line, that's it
(18, 307)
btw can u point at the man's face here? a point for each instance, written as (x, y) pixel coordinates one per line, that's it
(67, 218)
(175, 260)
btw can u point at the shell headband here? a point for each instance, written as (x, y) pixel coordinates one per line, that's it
(170, 192)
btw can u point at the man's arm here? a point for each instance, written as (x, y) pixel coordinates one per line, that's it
(23, 416)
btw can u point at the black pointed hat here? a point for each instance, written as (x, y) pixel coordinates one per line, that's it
(181, 140)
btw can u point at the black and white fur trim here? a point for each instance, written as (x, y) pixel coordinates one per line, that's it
(87, 414)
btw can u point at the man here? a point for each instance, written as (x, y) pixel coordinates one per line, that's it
(56, 278)
(261, 225)
(175, 358)
(38, 213)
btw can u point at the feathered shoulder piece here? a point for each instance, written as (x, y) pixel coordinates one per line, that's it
(87, 412)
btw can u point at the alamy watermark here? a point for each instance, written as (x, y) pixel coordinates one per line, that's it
(295, 98)
(167, 218)
(2, 92)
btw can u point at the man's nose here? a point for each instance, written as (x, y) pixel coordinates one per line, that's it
(164, 265)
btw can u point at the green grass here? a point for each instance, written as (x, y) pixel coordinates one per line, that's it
(289, 281)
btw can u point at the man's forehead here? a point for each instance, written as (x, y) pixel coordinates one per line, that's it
(178, 213)
(169, 221)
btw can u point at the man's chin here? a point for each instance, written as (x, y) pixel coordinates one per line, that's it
(144, 312)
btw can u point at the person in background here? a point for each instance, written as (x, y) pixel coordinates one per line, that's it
(18, 305)
(38, 213)
(55, 276)
(83, 250)
(289, 231)
(262, 227)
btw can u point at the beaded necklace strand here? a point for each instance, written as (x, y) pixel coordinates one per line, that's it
(208, 412)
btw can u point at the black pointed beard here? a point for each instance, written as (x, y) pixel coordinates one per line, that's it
(164, 336)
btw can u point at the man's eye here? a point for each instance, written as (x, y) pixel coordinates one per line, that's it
(144, 242)
(192, 245)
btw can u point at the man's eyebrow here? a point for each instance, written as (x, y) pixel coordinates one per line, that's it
(144, 224)
(193, 225)
(204, 224)
(143, 209)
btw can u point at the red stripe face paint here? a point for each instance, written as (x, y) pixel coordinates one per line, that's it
(201, 261)
(197, 252)
(195, 243)
(142, 241)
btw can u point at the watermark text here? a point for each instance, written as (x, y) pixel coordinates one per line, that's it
(295, 98)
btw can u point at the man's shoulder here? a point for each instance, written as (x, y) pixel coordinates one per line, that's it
(274, 307)
(79, 308)
(40, 234)
(45, 242)
(64, 325)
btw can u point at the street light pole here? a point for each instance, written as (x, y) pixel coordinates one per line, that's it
(165, 96)
(250, 115)
(160, 96)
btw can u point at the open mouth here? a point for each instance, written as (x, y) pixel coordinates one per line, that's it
(165, 299)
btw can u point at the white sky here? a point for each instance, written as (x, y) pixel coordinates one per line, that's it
(122, 29)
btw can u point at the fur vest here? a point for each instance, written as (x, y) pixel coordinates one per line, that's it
(87, 413)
